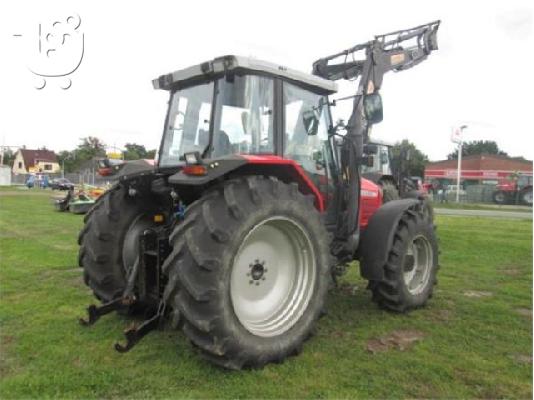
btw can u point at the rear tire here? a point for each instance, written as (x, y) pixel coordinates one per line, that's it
(411, 268)
(101, 255)
(209, 273)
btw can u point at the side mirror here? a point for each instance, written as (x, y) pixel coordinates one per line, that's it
(311, 122)
(372, 105)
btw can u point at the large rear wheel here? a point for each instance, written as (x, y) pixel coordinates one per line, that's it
(249, 272)
(109, 241)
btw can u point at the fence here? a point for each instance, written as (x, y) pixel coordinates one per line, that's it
(88, 177)
(475, 194)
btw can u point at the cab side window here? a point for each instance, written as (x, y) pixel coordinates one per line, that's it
(306, 132)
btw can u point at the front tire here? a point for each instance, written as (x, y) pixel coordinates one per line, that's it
(526, 197)
(500, 197)
(249, 272)
(411, 267)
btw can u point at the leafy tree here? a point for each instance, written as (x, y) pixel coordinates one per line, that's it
(90, 148)
(134, 151)
(412, 159)
(68, 160)
(9, 156)
(478, 147)
(151, 154)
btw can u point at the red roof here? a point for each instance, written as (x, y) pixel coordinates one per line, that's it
(489, 162)
(31, 157)
(479, 166)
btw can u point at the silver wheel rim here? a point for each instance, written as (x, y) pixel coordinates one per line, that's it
(527, 198)
(417, 264)
(273, 276)
(130, 245)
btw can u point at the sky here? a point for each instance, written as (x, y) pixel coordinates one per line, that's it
(481, 76)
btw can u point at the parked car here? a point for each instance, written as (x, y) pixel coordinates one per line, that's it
(61, 184)
(38, 180)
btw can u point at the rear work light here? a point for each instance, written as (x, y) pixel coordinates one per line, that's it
(196, 170)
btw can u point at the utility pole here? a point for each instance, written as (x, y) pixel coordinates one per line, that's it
(459, 137)
(2, 150)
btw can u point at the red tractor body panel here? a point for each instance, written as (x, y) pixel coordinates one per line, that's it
(371, 194)
(370, 201)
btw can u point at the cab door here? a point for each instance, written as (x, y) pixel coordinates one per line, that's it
(306, 121)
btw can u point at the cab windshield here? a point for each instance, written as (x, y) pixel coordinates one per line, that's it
(228, 116)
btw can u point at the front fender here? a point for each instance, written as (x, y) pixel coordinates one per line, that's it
(377, 238)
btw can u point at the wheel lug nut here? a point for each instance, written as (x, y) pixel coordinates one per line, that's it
(265, 270)
(257, 284)
(248, 273)
(250, 265)
(263, 278)
(251, 282)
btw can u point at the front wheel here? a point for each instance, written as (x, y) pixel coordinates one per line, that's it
(526, 197)
(499, 197)
(249, 272)
(411, 267)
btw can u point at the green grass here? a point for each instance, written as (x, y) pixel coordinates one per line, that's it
(482, 206)
(472, 346)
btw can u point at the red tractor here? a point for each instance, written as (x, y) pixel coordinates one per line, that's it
(514, 190)
(256, 204)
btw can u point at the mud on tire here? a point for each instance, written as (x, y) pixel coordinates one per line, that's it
(200, 268)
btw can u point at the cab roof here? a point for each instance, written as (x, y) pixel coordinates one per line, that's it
(227, 64)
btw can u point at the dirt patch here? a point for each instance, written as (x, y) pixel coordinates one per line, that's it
(477, 293)
(349, 289)
(442, 315)
(525, 312)
(400, 340)
(510, 271)
(523, 358)
(6, 361)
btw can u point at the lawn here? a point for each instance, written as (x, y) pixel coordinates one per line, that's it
(475, 336)
(482, 206)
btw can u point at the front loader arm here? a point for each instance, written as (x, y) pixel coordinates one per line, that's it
(394, 51)
(388, 52)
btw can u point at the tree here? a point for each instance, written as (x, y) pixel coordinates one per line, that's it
(67, 160)
(90, 148)
(478, 147)
(134, 151)
(9, 156)
(151, 154)
(414, 159)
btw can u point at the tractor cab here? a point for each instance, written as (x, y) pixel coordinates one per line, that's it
(235, 111)
(240, 106)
